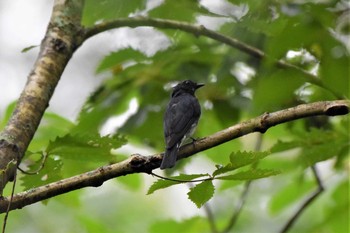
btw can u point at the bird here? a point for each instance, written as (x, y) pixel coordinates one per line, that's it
(180, 119)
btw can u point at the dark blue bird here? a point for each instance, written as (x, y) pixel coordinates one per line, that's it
(180, 119)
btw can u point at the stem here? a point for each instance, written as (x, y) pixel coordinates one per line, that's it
(244, 194)
(306, 203)
(211, 218)
(238, 208)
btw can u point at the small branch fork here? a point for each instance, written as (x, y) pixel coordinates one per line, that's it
(145, 164)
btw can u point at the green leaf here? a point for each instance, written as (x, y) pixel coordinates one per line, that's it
(311, 155)
(180, 10)
(337, 212)
(109, 9)
(281, 146)
(107, 102)
(250, 174)
(316, 145)
(134, 182)
(240, 159)
(276, 89)
(201, 193)
(334, 69)
(51, 126)
(90, 147)
(161, 184)
(191, 225)
(51, 172)
(8, 112)
(287, 195)
(116, 59)
(188, 177)
(26, 49)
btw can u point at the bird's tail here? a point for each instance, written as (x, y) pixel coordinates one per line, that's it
(169, 158)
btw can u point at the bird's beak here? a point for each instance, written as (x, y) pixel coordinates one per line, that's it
(199, 85)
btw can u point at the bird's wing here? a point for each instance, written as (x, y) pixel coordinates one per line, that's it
(180, 115)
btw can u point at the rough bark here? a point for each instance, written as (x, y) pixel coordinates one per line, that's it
(63, 36)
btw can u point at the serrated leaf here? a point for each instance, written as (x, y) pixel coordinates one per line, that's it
(90, 147)
(51, 126)
(161, 184)
(201, 193)
(49, 173)
(250, 174)
(240, 159)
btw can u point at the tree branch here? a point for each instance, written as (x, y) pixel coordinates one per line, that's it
(244, 194)
(200, 30)
(63, 36)
(138, 163)
(210, 217)
(306, 203)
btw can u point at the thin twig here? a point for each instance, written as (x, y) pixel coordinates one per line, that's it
(238, 208)
(210, 217)
(9, 204)
(306, 203)
(244, 194)
(209, 213)
(181, 181)
(42, 164)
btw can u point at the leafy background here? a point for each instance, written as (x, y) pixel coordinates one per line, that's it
(126, 108)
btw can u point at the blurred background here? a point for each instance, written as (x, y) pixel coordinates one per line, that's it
(120, 81)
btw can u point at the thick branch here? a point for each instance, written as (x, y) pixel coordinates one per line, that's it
(139, 163)
(200, 30)
(61, 39)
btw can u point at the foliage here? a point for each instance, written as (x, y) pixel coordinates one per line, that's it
(237, 87)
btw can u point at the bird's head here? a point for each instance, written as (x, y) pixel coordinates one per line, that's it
(187, 86)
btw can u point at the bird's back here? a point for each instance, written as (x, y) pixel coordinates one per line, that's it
(180, 118)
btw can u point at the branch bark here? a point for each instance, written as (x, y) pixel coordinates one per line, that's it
(145, 164)
(63, 36)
